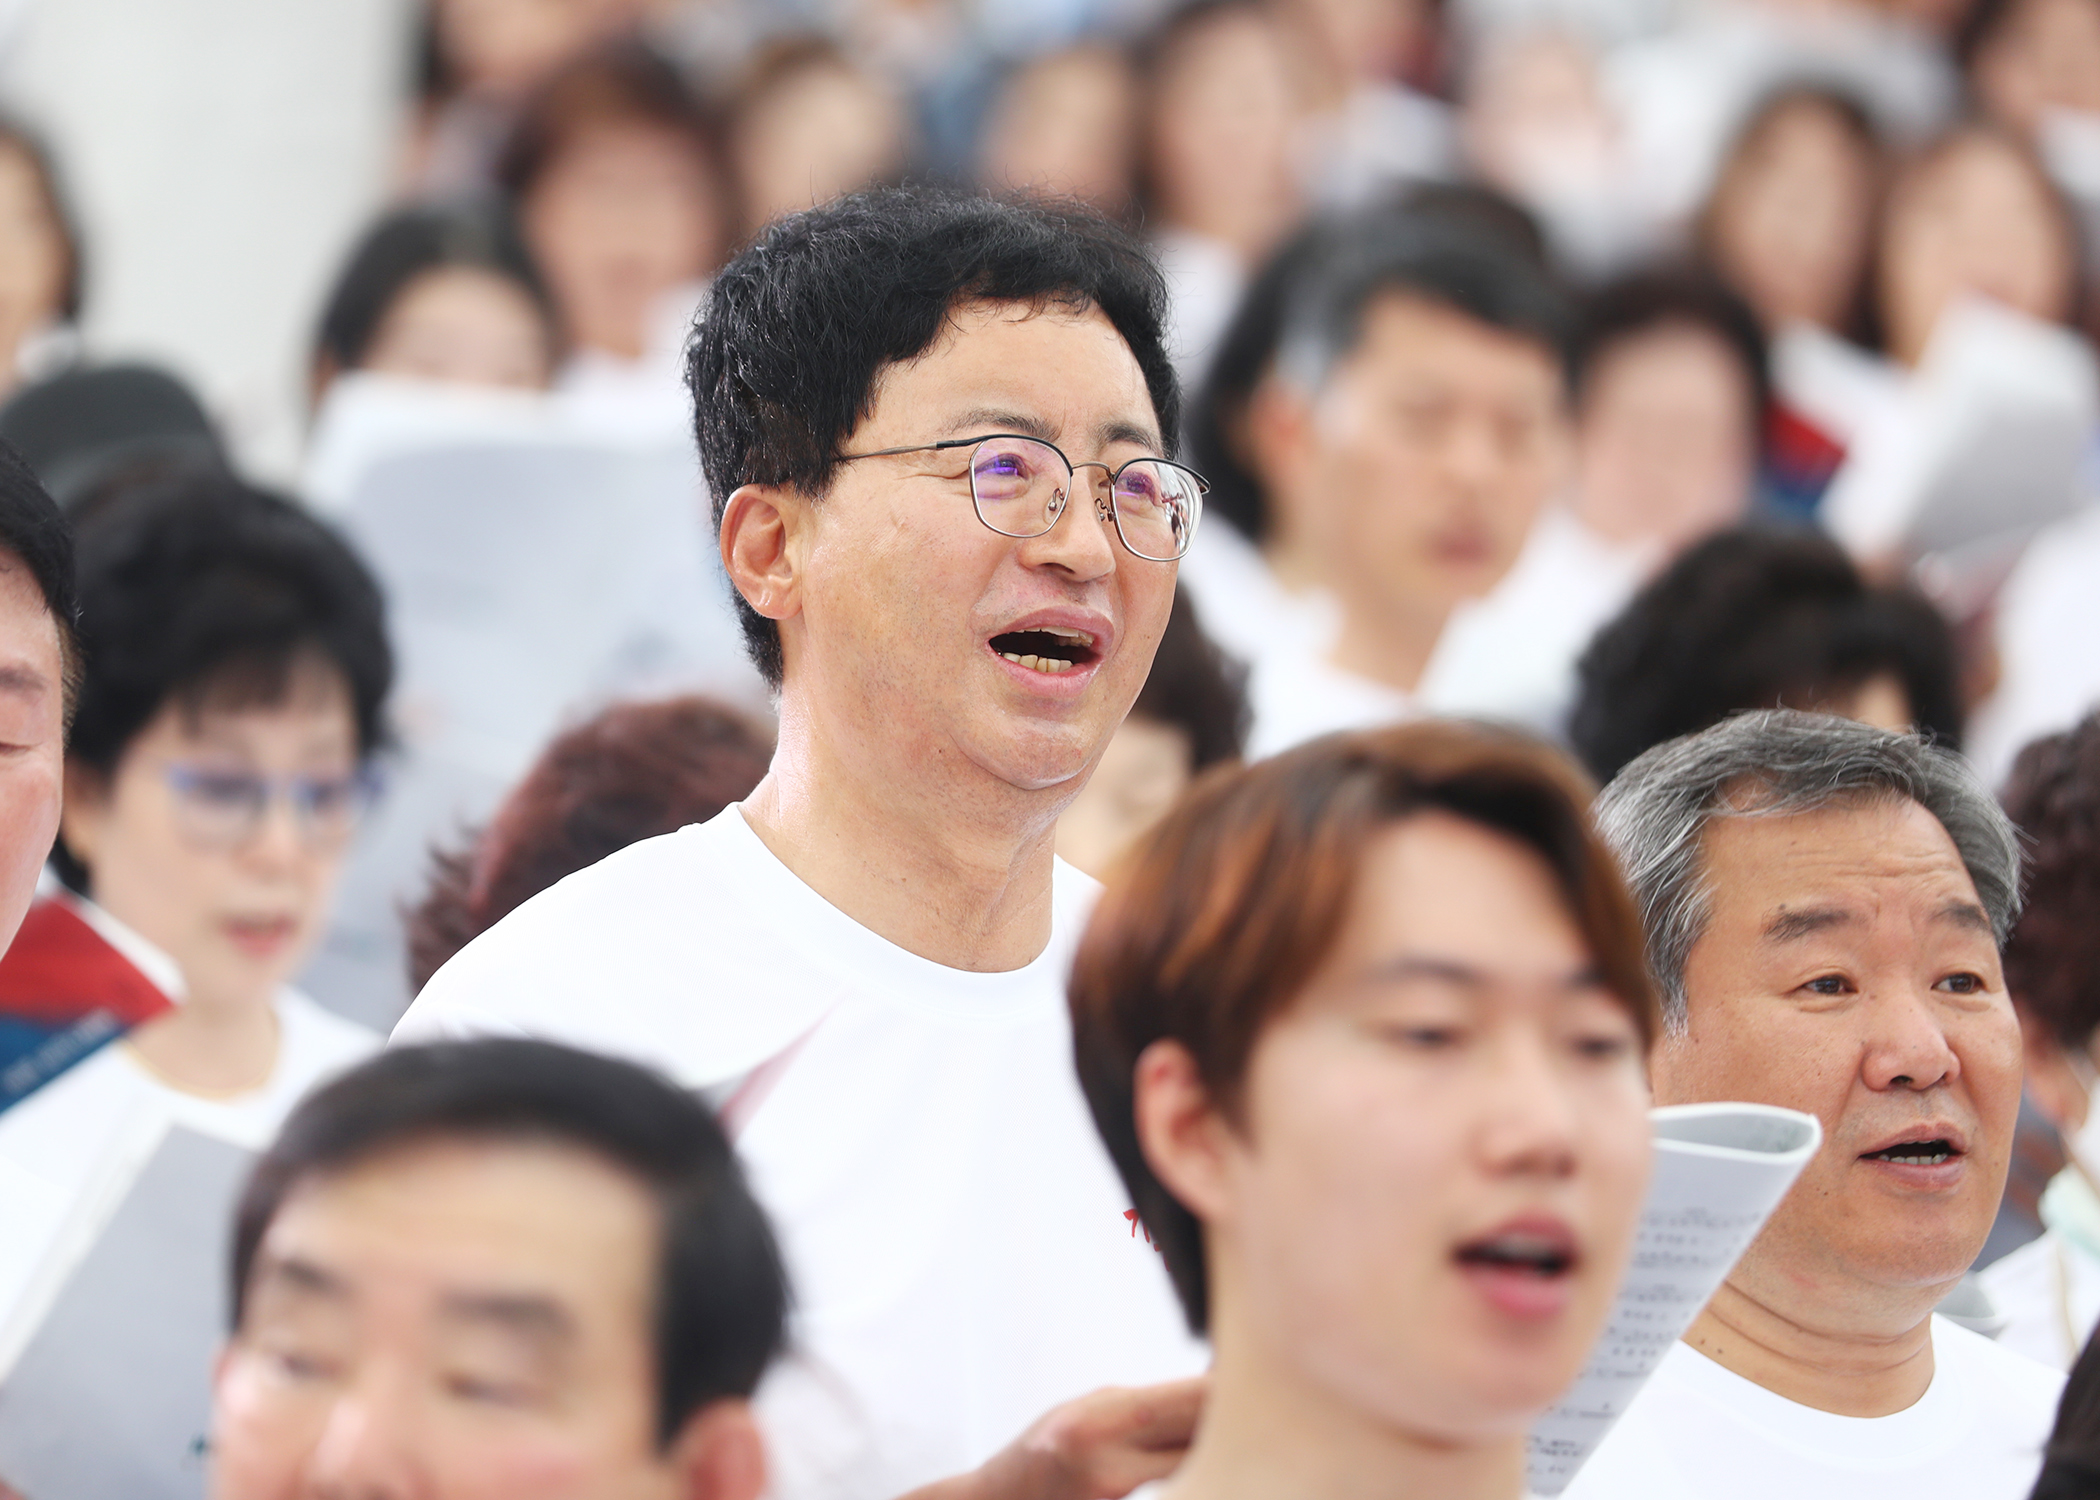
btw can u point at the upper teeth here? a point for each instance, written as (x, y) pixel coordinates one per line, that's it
(1070, 635)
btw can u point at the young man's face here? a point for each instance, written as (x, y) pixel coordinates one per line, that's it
(452, 1321)
(1416, 471)
(32, 739)
(1848, 970)
(1453, 1088)
(902, 590)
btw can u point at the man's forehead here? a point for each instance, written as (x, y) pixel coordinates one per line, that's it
(1864, 850)
(1064, 365)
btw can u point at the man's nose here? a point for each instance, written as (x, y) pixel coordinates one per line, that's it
(1907, 1045)
(367, 1449)
(1528, 1121)
(1081, 542)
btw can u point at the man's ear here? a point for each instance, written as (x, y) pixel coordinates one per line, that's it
(1182, 1135)
(760, 525)
(719, 1454)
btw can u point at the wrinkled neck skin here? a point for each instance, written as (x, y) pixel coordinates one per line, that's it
(913, 841)
(1868, 1361)
(1267, 1431)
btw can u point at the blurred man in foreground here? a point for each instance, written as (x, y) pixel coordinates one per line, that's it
(36, 669)
(1825, 903)
(499, 1269)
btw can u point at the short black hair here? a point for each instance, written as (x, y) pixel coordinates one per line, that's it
(206, 584)
(1751, 618)
(1197, 688)
(1673, 297)
(797, 329)
(722, 1295)
(1431, 233)
(1451, 262)
(33, 529)
(410, 242)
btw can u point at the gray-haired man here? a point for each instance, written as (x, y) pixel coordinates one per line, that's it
(1825, 903)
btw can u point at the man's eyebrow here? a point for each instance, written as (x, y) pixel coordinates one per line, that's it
(292, 1274)
(1967, 914)
(1786, 926)
(1454, 971)
(23, 681)
(1109, 433)
(538, 1318)
(990, 419)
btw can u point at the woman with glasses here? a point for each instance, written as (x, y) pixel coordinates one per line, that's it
(236, 662)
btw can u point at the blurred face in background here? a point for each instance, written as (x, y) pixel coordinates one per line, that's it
(1147, 766)
(34, 259)
(1066, 124)
(1419, 1210)
(813, 133)
(465, 325)
(1223, 132)
(2042, 57)
(1345, 43)
(501, 48)
(1409, 480)
(1975, 218)
(32, 738)
(1666, 438)
(1790, 221)
(624, 215)
(177, 850)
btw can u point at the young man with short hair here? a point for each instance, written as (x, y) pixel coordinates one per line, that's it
(1409, 432)
(935, 428)
(1825, 903)
(497, 1268)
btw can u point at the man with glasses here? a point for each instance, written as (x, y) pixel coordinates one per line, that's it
(935, 428)
(236, 662)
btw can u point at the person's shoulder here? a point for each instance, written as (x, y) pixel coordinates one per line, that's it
(638, 909)
(663, 952)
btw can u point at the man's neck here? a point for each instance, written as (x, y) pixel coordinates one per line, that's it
(1853, 1372)
(960, 876)
(1392, 646)
(1265, 1434)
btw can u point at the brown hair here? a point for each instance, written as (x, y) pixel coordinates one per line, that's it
(2052, 959)
(620, 83)
(1215, 923)
(635, 771)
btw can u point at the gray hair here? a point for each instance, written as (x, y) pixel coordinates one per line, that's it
(1655, 813)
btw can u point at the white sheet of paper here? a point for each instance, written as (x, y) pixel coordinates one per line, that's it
(1720, 1170)
(112, 1397)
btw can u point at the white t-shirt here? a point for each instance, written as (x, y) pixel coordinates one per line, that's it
(2048, 1292)
(960, 1246)
(1700, 1432)
(60, 1147)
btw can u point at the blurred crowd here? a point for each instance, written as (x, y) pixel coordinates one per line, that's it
(1603, 367)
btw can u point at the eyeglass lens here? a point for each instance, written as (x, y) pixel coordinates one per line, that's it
(227, 808)
(1022, 487)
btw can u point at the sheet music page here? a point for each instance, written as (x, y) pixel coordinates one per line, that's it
(1720, 1170)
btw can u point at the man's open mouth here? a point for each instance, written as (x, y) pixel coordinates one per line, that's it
(1920, 1153)
(1543, 1256)
(1050, 648)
